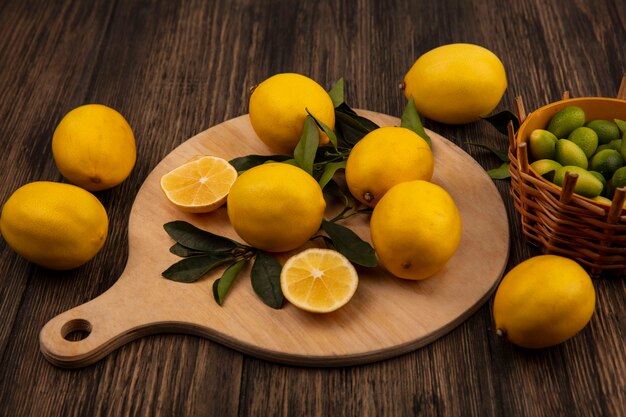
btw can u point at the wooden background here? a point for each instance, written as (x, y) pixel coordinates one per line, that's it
(175, 69)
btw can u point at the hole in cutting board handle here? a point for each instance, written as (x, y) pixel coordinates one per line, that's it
(76, 330)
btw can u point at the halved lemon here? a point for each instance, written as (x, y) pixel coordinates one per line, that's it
(318, 280)
(200, 185)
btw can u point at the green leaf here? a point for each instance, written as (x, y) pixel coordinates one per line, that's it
(307, 146)
(411, 120)
(265, 277)
(191, 269)
(223, 284)
(621, 125)
(244, 163)
(500, 173)
(191, 237)
(501, 120)
(329, 172)
(336, 93)
(333, 189)
(350, 244)
(351, 127)
(502, 155)
(364, 123)
(183, 252)
(329, 132)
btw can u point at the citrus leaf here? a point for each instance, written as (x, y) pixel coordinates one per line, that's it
(306, 149)
(329, 132)
(329, 172)
(502, 155)
(191, 237)
(223, 284)
(336, 93)
(500, 173)
(348, 116)
(183, 252)
(193, 268)
(501, 120)
(411, 120)
(265, 278)
(244, 163)
(350, 244)
(333, 189)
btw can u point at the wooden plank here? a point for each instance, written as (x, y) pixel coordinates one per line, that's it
(34, 78)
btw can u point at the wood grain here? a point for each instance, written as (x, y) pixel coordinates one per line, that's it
(387, 316)
(175, 69)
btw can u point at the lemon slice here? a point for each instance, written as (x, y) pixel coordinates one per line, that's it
(318, 280)
(200, 185)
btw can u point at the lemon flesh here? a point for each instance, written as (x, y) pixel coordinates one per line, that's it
(54, 225)
(94, 147)
(318, 280)
(200, 185)
(456, 83)
(543, 301)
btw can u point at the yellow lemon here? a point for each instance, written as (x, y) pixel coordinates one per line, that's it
(318, 280)
(456, 83)
(275, 207)
(200, 185)
(415, 228)
(54, 225)
(278, 107)
(543, 301)
(385, 157)
(94, 147)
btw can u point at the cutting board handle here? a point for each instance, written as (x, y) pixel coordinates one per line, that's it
(107, 322)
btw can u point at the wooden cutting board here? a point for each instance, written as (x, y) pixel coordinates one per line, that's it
(386, 317)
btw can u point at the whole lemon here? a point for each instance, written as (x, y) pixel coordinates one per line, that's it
(385, 157)
(54, 225)
(278, 107)
(415, 228)
(456, 83)
(94, 147)
(543, 301)
(275, 207)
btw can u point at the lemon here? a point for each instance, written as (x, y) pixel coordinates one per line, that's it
(566, 120)
(54, 225)
(384, 158)
(94, 147)
(415, 228)
(318, 280)
(616, 145)
(619, 178)
(543, 301)
(200, 185)
(599, 177)
(605, 129)
(587, 184)
(606, 162)
(542, 144)
(546, 168)
(456, 83)
(278, 107)
(603, 200)
(568, 153)
(601, 148)
(586, 139)
(275, 207)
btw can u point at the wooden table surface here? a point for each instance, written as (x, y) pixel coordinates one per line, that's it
(176, 68)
